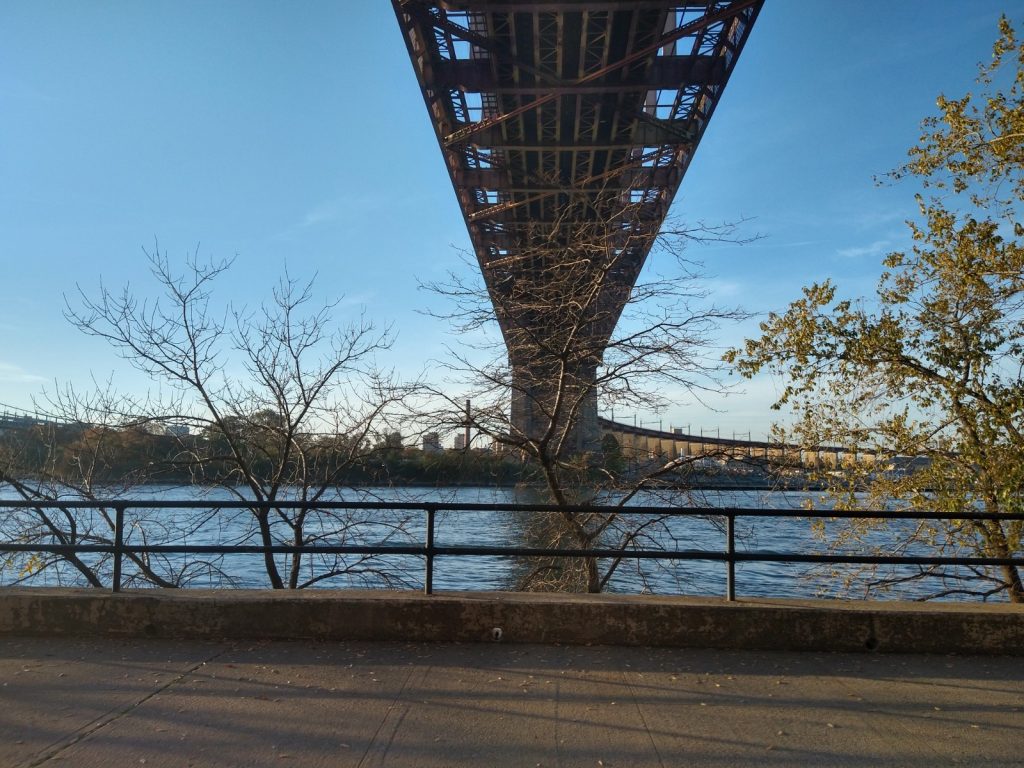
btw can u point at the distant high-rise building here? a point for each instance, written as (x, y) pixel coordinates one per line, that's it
(460, 442)
(432, 442)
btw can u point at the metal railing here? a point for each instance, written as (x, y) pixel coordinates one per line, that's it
(117, 547)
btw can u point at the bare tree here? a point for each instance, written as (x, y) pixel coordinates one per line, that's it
(278, 403)
(76, 453)
(577, 326)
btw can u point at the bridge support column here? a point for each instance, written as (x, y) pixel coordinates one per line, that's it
(562, 405)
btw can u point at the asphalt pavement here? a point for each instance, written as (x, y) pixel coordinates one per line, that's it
(156, 703)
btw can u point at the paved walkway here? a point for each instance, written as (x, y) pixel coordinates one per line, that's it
(161, 703)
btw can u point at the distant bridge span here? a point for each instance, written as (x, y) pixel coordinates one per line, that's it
(557, 120)
(641, 442)
(13, 417)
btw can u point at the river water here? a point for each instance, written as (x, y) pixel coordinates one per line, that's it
(483, 528)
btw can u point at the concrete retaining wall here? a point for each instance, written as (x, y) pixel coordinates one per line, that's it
(796, 625)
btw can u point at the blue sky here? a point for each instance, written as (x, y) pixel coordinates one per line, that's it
(294, 133)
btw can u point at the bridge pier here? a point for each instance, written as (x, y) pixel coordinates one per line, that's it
(562, 404)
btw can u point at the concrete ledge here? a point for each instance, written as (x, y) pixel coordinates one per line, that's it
(690, 622)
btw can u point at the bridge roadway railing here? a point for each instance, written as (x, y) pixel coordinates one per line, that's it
(728, 555)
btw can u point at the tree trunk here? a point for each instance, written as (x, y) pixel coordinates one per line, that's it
(263, 518)
(1016, 591)
(999, 547)
(593, 576)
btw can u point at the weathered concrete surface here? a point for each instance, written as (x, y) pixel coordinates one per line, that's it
(522, 618)
(88, 702)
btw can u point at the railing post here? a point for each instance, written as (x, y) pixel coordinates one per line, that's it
(428, 579)
(118, 546)
(730, 551)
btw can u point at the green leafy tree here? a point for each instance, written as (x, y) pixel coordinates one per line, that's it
(975, 145)
(931, 368)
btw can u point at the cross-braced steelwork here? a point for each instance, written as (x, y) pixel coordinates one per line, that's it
(567, 128)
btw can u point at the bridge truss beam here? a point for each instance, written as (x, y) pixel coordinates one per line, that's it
(563, 120)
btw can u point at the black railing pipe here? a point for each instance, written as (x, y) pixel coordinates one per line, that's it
(730, 551)
(428, 577)
(115, 581)
(429, 550)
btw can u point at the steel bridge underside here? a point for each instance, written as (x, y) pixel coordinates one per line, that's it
(559, 118)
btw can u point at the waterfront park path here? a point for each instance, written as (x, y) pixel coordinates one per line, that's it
(102, 702)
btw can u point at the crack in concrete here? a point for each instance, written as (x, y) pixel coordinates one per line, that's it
(388, 716)
(643, 720)
(54, 750)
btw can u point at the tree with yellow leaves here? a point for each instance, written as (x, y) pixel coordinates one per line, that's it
(932, 367)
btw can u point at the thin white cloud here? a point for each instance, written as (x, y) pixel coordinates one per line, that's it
(15, 88)
(865, 219)
(325, 212)
(356, 207)
(794, 244)
(877, 248)
(765, 243)
(361, 299)
(15, 374)
(723, 288)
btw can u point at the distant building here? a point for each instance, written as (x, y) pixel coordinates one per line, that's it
(460, 442)
(903, 466)
(432, 442)
(501, 446)
(176, 430)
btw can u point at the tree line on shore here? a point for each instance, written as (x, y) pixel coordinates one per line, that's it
(122, 457)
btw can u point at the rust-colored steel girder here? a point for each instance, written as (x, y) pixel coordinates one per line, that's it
(534, 100)
(558, 119)
(667, 39)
